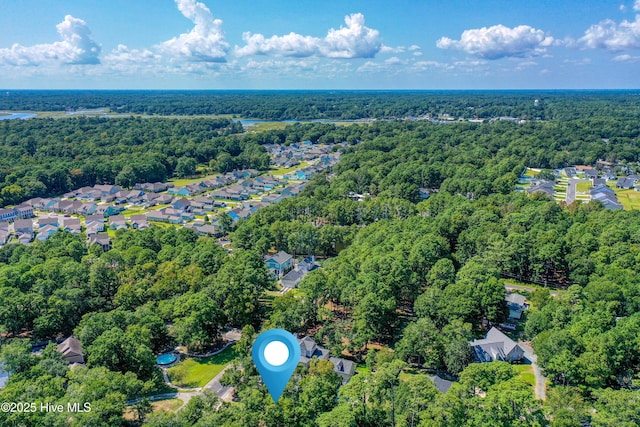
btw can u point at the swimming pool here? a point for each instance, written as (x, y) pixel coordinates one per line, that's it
(166, 359)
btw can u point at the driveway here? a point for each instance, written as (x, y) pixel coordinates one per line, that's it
(540, 388)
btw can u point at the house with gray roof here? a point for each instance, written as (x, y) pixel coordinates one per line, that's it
(280, 262)
(71, 350)
(292, 278)
(545, 187)
(496, 346)
(23, 226)
(516, 304)
(309, 349)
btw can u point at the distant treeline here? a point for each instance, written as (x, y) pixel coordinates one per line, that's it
(336, 105)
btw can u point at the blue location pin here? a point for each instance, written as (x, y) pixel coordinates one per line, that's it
(276, 354)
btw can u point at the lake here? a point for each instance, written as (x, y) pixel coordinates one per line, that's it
(12, 116)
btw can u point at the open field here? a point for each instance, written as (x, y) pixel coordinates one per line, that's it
(197, 372)
(630, 199)
(169, 405)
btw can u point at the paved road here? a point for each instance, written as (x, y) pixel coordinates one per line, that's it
(571, 189)
(541, 382)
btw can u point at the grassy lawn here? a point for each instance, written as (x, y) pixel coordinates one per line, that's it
(197, 372)
(134, 210)
(169, 405)
(525, 372)
(284, 171)
(583, 187)
(532, 172)
(184, 181)
(630, 199)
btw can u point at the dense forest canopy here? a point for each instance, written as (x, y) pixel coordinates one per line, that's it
(337, 105)
(405, 283)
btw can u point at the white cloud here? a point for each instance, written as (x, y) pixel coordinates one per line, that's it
(636, 5)
(204, 43)
(356, 40)
(626, 58)
(76, 47)
(499, 41)
(414, 47)
(291, 44)
(390, 49)
(610, 35)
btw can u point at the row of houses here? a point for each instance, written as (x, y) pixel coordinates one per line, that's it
(23, 211)
(214, 182)
(290, 155)
(245, 188)
(606, 196)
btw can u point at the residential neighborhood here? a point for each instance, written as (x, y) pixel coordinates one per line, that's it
(101, 209)
(615, 186)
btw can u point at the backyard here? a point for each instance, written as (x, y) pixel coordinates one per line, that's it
(197, 372)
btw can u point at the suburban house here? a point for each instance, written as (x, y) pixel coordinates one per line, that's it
(309, 349)
(101, 240)
(23, 226)
(71, 350)
(51, 220)
(8, 214)
(139, 222)
(516, 304)
(279, 263)
(545, 187)
(496, 346)
(24, 211)
(626, 183)
(46, 231)
(292, 279)
(117, 222)
(72, 225)
(607, 197)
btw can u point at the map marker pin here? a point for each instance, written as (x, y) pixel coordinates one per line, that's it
(276, 354)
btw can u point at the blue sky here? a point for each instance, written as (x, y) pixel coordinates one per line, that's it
(304, 44)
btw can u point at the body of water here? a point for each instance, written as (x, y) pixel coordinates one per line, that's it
(8, 115)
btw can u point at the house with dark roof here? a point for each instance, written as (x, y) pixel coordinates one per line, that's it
(626, 183)
(101, 240)
(607, 197)
(496, 346)
(71, 350)
(545, 187)
(590, 173)
(441, 384)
